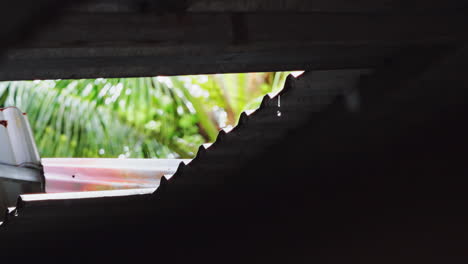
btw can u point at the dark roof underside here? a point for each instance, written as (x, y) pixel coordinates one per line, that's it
(366, 162)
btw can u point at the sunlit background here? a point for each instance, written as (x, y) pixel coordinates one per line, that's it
(154, 117)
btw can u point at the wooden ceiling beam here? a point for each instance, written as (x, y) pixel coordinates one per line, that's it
(89, 45)
(341, 6)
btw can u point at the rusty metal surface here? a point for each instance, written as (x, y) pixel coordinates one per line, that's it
(75, 175)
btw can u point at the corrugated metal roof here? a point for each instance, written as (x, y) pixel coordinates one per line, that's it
(309, 177)
(276, 117)
(324, 181)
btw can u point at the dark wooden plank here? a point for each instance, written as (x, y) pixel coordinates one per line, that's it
(356, 28)
(368, 6)
(130, 62)
(325, 5)
(134, 29)
(133, 44)
(22, 17)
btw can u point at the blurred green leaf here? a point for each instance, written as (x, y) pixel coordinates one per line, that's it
(157, 117)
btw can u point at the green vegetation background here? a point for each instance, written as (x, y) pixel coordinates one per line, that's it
(154, 117)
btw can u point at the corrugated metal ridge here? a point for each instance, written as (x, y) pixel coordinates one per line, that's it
(276, 116)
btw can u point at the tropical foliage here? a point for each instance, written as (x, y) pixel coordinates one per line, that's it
(135, 117)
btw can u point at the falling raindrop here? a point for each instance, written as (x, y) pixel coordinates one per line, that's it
(278, 113)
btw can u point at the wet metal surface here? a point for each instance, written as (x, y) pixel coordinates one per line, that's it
(77, 175)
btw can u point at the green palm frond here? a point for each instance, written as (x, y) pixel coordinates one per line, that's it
(134, 117)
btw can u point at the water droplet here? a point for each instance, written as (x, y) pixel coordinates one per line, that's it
(278, 113)
(279, 100)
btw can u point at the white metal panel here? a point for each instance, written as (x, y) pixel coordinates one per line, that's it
(6, 153)
(78, 174)
(16, 138)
